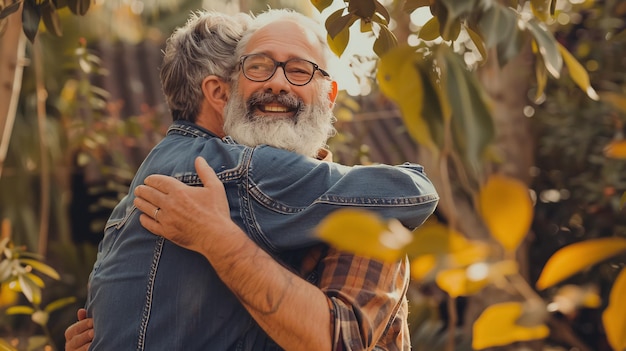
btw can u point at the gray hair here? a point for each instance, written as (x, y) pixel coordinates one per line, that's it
(204, 46)
(273, 15)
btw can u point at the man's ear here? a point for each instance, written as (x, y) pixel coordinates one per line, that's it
(332, 94)
(215, 92)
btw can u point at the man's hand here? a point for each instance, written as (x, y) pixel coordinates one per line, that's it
(180, 212)
(79, 335)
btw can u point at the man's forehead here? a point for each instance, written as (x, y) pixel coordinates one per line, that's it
(287, 37)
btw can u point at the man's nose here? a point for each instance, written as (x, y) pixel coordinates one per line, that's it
(278, 83)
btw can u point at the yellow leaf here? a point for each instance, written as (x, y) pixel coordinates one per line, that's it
(4, 345)
(613, 317)
(578, 73)
(400, 80)
(496, 327)
(573, 258)
(541, 9)
(542, 77)
(507, 210)
(41, 267)
(616, 100)
(8, 296)
(364, 234)
(456, 283)
(339, 43)
(430, 30)
(473, 252)
(422, 267)
(478, 42)
(616, 149)
(434, 238)
(21, 309)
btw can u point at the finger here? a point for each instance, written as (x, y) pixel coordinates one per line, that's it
(205, 172)
(148, 208)
(148, 199)
(80, 342)
(79, 332)
(150, 224)
(162, 183)
(81, 314)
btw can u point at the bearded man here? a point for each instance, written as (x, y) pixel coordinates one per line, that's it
(233, 284)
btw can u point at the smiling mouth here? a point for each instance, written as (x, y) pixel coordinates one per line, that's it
(274, 109)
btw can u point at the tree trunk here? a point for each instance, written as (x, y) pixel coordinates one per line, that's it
(12, 44)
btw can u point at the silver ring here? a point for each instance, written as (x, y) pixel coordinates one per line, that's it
(156, 213)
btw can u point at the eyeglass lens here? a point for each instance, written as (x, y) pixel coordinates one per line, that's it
(260, 68)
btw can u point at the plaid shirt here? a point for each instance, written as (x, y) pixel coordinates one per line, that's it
(367, 300)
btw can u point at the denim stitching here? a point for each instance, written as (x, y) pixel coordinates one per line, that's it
(252, 227)
(158, 249)
(274, 205)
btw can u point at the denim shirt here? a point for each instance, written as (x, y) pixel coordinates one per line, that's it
(145, 293)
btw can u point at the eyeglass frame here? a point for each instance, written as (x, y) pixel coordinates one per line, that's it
(282, 64)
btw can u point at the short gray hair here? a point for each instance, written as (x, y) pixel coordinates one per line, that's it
(204, 46)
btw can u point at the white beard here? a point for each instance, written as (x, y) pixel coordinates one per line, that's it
(305, 133)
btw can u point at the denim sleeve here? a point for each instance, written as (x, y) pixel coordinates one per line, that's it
(287, 194)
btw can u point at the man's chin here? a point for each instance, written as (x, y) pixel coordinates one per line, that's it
(272, 116)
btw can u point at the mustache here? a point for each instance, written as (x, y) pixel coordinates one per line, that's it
(290, 101)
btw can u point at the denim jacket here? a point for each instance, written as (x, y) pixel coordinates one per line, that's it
(145, 293)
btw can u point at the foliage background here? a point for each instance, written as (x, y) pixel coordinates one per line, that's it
(92, 141)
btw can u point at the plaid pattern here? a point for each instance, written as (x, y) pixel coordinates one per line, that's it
(367, 300)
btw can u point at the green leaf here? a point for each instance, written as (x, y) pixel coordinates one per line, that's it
(497, 24)
(412, 5)
(478, 42)
(60, 303)
(31, 15)
(321, 5)
(578, 73)
(430, 30)
(337, 22)
(458, 8)
(472, 125)
(10, 9)
(30, 289)
(51, 18)
(382, 10)
(41, 267)
(386, 41)
(451, 30)
(79, 7)
(363, 8)
(432, 112)
(547, 47)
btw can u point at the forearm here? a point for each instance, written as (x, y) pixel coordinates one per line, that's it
(275, 297)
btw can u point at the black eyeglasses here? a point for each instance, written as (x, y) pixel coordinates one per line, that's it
(260, 68)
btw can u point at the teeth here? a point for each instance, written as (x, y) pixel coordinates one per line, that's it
(275, 109)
